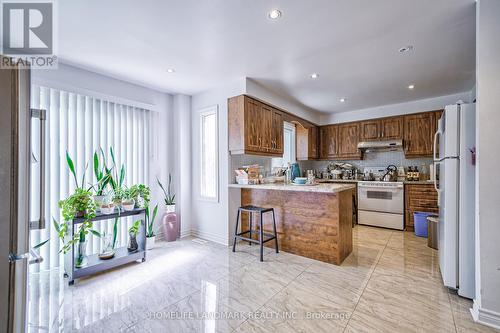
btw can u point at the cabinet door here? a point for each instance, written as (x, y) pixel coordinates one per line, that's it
(370, 130)
(392, 128)
(277, 132)
(313, 143)
(328, 142)
(252, 128)
(348, 138)
(266, 128)
(419, 134)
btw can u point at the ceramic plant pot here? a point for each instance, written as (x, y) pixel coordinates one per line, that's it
(170, 228)
(128, 205)
(107, 209)
(150, 242)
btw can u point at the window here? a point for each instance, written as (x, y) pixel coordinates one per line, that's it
(209, 176)
(289, 152)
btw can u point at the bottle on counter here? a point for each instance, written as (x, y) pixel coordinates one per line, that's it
(409, 174)
(416, 174)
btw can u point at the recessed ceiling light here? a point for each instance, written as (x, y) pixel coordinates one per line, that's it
(170, 70)
(274, 14)
(314, 75)
(405, 49)
(411, 86)
(342, 100)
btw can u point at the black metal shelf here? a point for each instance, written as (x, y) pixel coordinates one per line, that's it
(122, 256)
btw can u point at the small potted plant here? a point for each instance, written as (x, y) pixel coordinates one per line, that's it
(150, 232)
(107, 207)
(133, 231)
(128, 202)
(168, 197)
(103, 177)
(169, 220)
(140, 193)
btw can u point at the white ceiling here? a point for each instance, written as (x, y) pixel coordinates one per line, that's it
(353, 45)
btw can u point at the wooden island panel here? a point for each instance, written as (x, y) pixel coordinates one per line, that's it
(310, 224)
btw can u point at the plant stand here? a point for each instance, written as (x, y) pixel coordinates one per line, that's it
(122, 255)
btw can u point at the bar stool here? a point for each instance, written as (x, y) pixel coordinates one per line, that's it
(261, 240)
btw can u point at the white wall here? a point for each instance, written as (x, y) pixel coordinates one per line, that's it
(254, 89)
(162, 140)
(181, 159)
(487, 303)
(210, 219)
(428, 104)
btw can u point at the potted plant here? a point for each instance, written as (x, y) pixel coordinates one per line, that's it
(169, 220)
(128, 202)
(133, 231)
(140, 193)
(78, 205)
(168, 197)
(150, 232)
(103, 177)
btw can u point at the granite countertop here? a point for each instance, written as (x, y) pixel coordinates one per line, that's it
(410, 182)
(320, 188)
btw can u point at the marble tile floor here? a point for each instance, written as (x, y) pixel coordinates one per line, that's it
(390, 283)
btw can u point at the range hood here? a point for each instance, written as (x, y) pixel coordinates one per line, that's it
(386, 145)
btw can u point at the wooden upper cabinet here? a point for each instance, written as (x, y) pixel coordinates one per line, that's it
(370, 130)
(277, 132)
(348, 138)
(419, 132)
(307, 141)
(328, 142)
(254, 127)
(392, 128)
(382, 129)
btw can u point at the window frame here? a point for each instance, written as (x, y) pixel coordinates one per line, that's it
(208, 111)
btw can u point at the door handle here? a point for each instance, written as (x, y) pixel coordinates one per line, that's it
(17, 257)
(42, 116)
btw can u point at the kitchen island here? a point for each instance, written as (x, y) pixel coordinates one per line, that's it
(312, 221)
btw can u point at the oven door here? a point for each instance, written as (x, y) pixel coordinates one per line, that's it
(381, 199)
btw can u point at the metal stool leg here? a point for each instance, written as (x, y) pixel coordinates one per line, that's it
(261, 237)
(236, 230)
(250, 222)
(275, 233)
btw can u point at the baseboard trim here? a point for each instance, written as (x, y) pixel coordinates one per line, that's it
(485, 316)
(210, 237)
(186, 233)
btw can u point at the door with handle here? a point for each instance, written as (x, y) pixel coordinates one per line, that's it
(15, 166)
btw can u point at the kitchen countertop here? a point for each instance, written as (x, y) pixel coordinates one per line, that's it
(407, 182)
(320, 188)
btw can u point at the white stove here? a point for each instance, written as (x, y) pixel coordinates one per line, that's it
(381, 204)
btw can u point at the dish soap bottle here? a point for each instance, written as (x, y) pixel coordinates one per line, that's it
(416, 174)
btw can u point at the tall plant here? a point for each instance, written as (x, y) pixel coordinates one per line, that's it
(116, 181)
(101, 172)
(168, 197)
(150, 221)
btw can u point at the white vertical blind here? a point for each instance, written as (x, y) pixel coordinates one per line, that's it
(81, 125)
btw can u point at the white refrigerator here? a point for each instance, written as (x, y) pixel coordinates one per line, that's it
(454, 143)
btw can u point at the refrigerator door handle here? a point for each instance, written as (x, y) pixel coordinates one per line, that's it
(435, 150)
(436, 186)
(42, 116)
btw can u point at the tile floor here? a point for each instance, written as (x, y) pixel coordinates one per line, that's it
(390, 283)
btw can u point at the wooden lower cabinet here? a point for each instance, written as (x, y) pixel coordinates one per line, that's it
(419, 198)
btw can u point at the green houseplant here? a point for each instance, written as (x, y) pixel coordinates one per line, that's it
(150, 223)
(102, 175)
(168, 197)
(133, 231)
(80, 204)
(128, 202)
(140, 193)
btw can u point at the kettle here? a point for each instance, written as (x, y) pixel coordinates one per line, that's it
(390, 174)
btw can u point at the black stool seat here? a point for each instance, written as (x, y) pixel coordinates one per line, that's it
(255, 209)
(250, 209)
